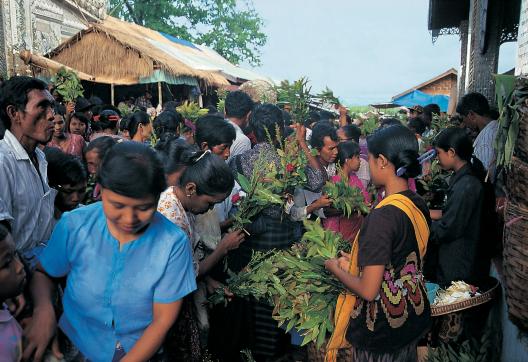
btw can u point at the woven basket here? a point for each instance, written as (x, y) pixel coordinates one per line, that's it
(521, 146)
(515, 259)
(491, 289)
(517, 182)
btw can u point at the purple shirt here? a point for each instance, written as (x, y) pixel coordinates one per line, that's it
(10, 337)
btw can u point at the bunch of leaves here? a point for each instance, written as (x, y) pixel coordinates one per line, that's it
(191, 111)
(434, 186)
(290, 172)
(221, 93)
(125, 110)
(260, 194)
(68, 85)
(438, 124)
(509, 121)
(295, 282)
(369, 125)
(346, 198)
(326, 96)
(297, 94)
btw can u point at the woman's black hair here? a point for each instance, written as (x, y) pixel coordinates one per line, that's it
(457, 139)
(264, 121)
(346, 150)
(352, 132)
(399, 145)
(167, 124)
(214, 130)
(321, 130)
(209, 172)
(174, 153)
(417, 125)
(123, 124)
(4, 231)
(59, 109)
(137, 118)
(390, 121)
(101, 145)
(133, 170)
(64, 169)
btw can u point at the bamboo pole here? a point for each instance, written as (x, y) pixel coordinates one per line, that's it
(112, 94)
(160, 95)
(52, 65)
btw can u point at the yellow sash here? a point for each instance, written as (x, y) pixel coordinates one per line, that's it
(346, 301)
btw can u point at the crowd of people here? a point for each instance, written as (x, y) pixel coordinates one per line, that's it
(120, 237)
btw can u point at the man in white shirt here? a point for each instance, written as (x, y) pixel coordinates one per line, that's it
(474, 108)
(238, 106)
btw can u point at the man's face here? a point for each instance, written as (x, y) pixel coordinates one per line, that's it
(35, 122)
(70, 196)
(328, 152)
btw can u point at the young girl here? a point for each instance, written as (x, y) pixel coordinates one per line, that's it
(69, 143)
(12, 281)
(94, 154)
(128, 267)
(387, 310)
(456, 231)
(349, 161)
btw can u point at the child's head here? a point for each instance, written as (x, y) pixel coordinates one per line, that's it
(67, 175)
(12, 273)
(348, 156)
(454, 147)
(95, 152)
(214, 133)
(390, 149)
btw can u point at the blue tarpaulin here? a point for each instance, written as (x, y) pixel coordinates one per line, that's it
(422, 99)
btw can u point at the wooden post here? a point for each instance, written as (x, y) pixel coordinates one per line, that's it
(112, 94)
(160, 95)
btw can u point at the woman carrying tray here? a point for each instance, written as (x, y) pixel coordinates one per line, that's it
(387, 311)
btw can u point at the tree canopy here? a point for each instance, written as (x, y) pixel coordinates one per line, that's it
(233, 30)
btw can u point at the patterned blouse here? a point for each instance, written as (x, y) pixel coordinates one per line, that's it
(170, 206)
(73, 146)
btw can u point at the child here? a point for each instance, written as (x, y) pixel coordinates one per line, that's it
(386, 311)
(12, 281)
(456, 231)
(349, 161)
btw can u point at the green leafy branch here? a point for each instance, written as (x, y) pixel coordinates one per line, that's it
(295, 282)
(297, 95)
(68, 85)
(346, 198)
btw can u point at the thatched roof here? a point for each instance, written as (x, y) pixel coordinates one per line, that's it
(119, 52)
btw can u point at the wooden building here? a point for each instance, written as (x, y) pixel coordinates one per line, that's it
(483, 26)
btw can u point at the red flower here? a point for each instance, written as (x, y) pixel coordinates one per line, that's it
(290, 168)
(235, 198)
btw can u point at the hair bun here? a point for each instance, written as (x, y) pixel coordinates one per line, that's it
(409, 159)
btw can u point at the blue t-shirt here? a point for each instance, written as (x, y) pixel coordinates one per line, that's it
(110, 292)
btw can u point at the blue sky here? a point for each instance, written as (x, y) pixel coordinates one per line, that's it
(365, 51)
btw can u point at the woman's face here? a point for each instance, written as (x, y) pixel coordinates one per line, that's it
(145, 130)
(223, 150)
(445, 158)
(92, 161)
(353, 163)
(200, 204)
(375, 169)
(77, 127)
(127, 215)
(58, 126)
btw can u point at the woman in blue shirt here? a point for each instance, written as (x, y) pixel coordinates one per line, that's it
(128, 267)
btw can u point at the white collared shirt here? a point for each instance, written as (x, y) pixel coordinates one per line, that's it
(241, 143)
(26, 200)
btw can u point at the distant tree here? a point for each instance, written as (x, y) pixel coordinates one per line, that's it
(233, 30)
